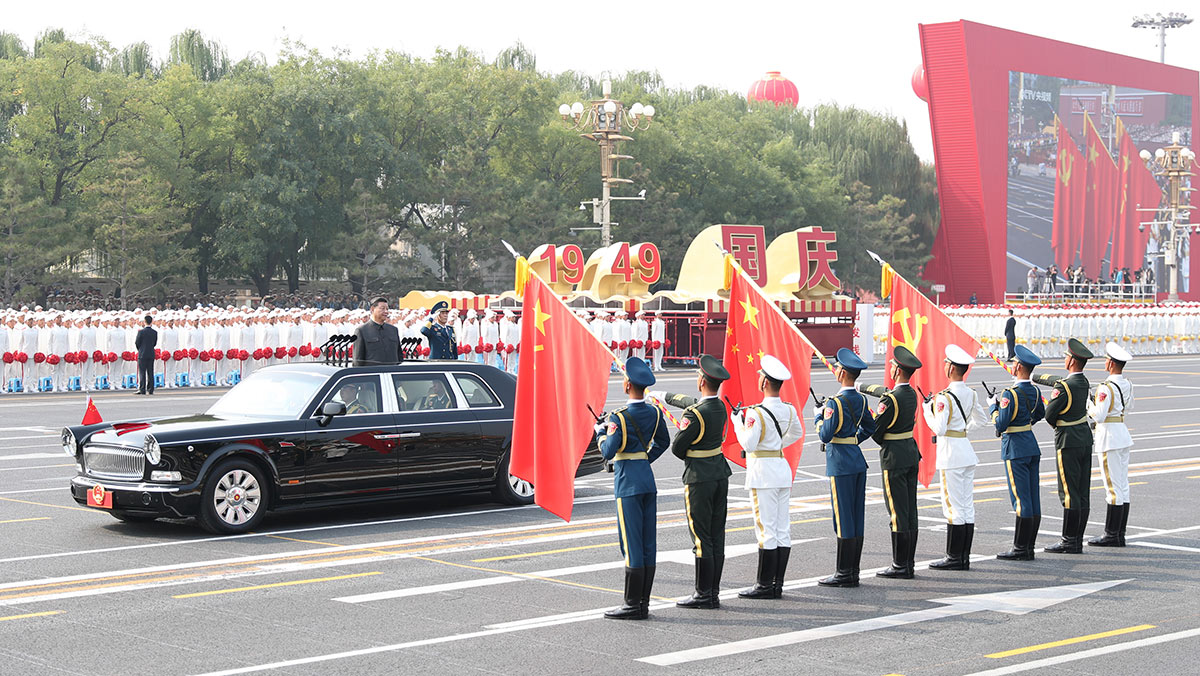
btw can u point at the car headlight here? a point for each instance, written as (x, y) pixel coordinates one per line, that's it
(68, 442)
(152, 449)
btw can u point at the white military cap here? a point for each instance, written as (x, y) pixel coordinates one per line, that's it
(957, 355)
(1116, 352)
(508, 314)
(773, 368)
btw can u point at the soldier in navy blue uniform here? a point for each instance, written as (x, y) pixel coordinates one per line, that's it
(442, 344)
(1014, 411)
(843, 422)
(633, 437)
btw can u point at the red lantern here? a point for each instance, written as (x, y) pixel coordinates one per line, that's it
(38, 357)
(775, 88)
(919, 85)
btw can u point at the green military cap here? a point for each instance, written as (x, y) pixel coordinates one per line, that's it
(1077, 349)
(904, 357)
(713, 368)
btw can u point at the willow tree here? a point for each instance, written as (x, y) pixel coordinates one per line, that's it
(207, 58)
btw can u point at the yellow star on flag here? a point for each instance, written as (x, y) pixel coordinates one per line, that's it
(751, 312)
(749, 359)
(540, 317)
(1092, 153)
(735, 348)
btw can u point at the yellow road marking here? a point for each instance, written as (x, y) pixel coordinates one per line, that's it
(47, 504)
(1195, 477)
(270, 586)
(22, 617)
(1070, 641)
(1184, 425)
(36, 518)
(550, 551)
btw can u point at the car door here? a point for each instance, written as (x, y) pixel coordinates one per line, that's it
(355, 454)
(438, 436)
(494, 418)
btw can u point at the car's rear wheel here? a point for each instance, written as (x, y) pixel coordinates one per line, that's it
(234, 499)
(510, 489)
(132, 518)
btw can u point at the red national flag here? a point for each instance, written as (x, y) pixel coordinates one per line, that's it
(1102, 201)
(923, 328)
(1068, 199)
(1139, 191)
(563, 369)
(91, 415)
(757, 327)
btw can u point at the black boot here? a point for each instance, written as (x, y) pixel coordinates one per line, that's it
(1021, 550)
(965, 555)
(781, 561)
(703, 598)
(718, 568)
(955, 536)
(844, 577)
(899, 568)
(856, 557)
(647, 584)
(1081, 529)
(632, 610)
(1066, 544)
(1031, 533)
(1124, 522)
(912, 551)
(764, 588)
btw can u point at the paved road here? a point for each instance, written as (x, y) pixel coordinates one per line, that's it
(462, 585)
(1030, 221)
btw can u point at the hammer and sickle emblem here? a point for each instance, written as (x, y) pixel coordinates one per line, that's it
(911, 338)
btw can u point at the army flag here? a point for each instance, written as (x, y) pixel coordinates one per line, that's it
(1100, 205)
(1067, 228)
(563, 370)
(922, 327)
(1139, 191)
(756, 327)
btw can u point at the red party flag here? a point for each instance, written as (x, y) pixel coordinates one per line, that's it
(1071, 177)
(91, 415)
(563, 370)
(1101, 202)
(1139, 191)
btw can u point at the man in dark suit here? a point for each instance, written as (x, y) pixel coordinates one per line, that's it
(376, 341)
(146, 340)
(1010, 335)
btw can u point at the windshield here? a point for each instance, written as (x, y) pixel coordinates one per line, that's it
(270, 394)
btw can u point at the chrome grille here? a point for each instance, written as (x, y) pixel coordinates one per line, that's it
(113, 462)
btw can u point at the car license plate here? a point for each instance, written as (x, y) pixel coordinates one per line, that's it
(97, 496)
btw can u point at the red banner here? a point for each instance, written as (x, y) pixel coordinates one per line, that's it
(922, 327)
(563, 370)
(1139, 191)
(1068, 199)
(758, 327)
(1100, 205)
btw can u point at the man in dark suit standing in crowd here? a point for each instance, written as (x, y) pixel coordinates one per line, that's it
(376, 341)
(145, 341)
(1010, 335)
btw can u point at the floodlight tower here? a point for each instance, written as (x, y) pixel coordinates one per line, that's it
(1162, 23)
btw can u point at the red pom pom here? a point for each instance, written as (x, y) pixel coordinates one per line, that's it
(177, 355)
(53, 360)
(424, 352)
(97, 356)
(38, 357)
(22, 357)
(280, 352)
(489, 347)
(304, 350)
(466, 349)
(193, 353)
(667, 343)
(231, 353)
(166, 356)
(205, 356)
(8, 357)
(217, 354)
(69, 357)
(292, 351)
(510, 348)
(243, 355)
(624, 344)
(258, 353)
(111, 356)
(612, 345)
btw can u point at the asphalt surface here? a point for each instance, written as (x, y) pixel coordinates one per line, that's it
(463, 585)
(1030, 221)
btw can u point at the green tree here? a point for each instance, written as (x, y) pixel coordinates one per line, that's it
(32, 239)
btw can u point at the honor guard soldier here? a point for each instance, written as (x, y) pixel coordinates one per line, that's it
(763, 431)
(1114, 396)
(442, 344)
(633, 437)
(1067, 413)
(899, 458)
(705, 478)
(1014, 411)
(843, 422)
(950, 415)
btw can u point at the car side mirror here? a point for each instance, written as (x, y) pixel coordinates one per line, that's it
(329, 410)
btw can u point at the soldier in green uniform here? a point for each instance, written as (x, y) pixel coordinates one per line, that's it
(899, 458)
(1067, 413)
(705, 478)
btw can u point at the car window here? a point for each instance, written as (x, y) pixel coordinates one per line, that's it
(423, 392)
(478, 395)
(360, 394)
(270, 393)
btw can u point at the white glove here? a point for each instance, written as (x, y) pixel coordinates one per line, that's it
(598, 428)
(657, 394)
(818, 410)
(991, 400)
(738, 419)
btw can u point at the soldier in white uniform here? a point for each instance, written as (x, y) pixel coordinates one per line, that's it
(950, 414)
(87, 343)
(763, 431)
(491, 337)
(470, 336)
(247, 336)
(622, 332)
(1107, 410)
(195, 340)
(658, 335)
(640, 335)
(60, 344)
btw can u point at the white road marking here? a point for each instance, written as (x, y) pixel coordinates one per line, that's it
(1016, 602)
(34, 490)
(32, 456)
(17, 469)
(1086, 654)
(1158, 545)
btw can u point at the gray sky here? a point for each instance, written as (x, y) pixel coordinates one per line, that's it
(859, 53)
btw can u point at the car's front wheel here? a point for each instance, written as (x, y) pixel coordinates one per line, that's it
(234, 498)
(512, 490)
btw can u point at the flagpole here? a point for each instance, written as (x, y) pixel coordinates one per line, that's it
(775, 306)
(530, 271)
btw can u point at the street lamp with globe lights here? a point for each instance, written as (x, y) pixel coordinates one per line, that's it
(1173, 162)
(604, 120)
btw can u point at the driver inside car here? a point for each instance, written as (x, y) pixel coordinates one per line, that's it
(348, 393)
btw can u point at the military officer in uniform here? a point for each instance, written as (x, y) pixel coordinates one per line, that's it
(763, 431)
(1067, 413)
(899, 458)
(1113, 399)
(843, 422)
(950, 415)
(1014, 411)
(633, 437)
(442, 344)
(705, 478)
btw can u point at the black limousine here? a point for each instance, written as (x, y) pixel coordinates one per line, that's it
(306, 435)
